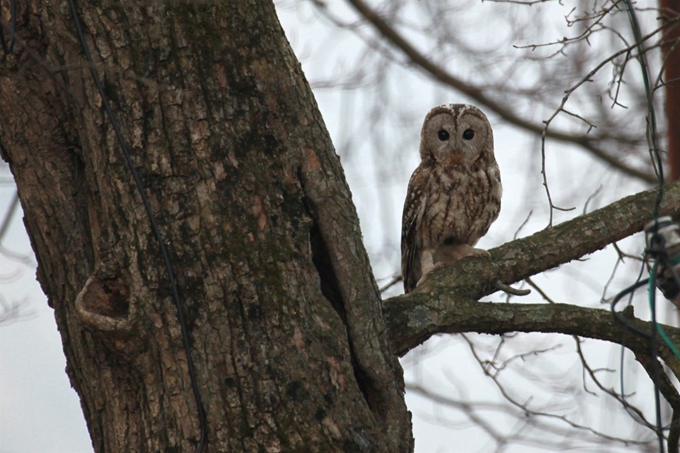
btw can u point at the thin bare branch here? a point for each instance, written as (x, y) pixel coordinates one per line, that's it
(589, 143)
(525, 406)
(13, 205)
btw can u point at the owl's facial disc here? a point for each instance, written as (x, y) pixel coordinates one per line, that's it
(457, 142)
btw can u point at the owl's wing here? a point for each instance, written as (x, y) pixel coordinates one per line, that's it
(411, 242)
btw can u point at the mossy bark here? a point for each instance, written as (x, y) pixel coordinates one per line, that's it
(283, 315)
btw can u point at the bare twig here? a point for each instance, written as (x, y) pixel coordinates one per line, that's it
(13, 205)
(510, 290)
(416, 57)
(525, 407)
(391, 283)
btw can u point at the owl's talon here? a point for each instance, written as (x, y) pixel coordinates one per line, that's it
(479, 253)
(429, 271)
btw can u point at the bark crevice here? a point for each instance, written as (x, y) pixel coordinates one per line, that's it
(327, 277)
(358, 296)
(331, 291)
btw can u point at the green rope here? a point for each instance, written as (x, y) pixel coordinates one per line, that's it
(651, 288)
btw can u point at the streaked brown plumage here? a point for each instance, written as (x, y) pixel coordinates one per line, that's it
(453, 196)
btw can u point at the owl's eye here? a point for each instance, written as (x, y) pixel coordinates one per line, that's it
(443, 135)
(468, 134)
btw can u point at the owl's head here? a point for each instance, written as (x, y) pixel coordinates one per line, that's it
(456, 134)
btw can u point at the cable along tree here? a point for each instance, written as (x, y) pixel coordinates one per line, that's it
(197, 239)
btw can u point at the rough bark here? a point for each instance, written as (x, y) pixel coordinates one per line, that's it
(284, 317)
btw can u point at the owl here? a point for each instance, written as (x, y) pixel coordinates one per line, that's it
(453, 196)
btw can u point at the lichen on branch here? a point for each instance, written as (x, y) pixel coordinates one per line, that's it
(447, 300)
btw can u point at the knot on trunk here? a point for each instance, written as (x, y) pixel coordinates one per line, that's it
(104, 302)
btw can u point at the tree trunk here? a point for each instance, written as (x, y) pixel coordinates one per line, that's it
(283, 315)
(671, 54)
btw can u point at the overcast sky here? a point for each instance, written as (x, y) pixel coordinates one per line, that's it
(39, 412)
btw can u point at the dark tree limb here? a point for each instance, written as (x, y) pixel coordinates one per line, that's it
(667, 389)
(447, 301)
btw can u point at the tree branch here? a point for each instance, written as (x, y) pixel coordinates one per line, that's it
(668, 390)
(447, 301)
(587, 142)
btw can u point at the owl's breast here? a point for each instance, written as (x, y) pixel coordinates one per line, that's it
(460, 206)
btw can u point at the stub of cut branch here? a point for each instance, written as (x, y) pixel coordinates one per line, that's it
(103, 304)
